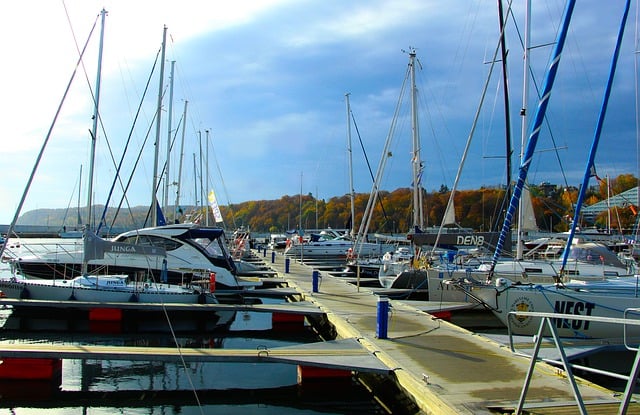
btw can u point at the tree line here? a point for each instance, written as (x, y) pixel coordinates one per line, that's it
(480, 210)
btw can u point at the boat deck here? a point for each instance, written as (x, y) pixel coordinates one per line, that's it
(444, 368)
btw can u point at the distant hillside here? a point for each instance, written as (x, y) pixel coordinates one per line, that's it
(481, 210)
(133, 218)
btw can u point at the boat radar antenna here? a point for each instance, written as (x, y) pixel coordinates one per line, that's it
(412, 51)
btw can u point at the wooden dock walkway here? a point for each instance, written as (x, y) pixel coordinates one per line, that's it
(332, 354)
(446, 369)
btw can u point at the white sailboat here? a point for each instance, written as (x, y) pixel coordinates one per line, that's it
(398, 270)
(100, 288)
(605, 297)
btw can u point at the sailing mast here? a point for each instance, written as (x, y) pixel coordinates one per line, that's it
(169, 118)
(590, 169)
(505, 83)
(350, 155)
(184, 121)
(12, 225)
(154, 200)
(94, 127)
(418, 214)
(94, 136)
(524, 125)
(535, 132)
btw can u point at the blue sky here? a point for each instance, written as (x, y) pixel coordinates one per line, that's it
(267, 80)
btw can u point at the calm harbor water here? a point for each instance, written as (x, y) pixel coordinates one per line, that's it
(126, 387)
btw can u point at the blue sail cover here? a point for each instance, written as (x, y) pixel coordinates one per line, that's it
(590, 169)
(535, 132)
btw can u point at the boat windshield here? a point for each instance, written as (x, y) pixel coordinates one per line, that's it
(151, 240)
(213, 248)
(595, 254)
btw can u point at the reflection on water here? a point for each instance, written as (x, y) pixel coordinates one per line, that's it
(167, 388)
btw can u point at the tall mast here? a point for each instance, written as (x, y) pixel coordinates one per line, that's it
(154, 200)
(418, 217)
(350, 155)
(195, 184)
(94, 135)
(637, 114)
(184, 121)
(169, 118)
(94, 127)
(505, 83)
(550, 77)
(201, 172)
(590, 168)
(524, 125)
(206, 177)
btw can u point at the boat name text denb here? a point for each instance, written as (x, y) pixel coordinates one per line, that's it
(476, 240)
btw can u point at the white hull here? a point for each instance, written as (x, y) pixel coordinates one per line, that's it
(606, 298)
(189, 249)
(332, 249)
(66, 290)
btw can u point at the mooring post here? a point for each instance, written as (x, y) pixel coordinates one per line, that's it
(315, 276)
(383, 317)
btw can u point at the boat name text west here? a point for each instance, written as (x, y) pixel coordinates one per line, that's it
(578, 308)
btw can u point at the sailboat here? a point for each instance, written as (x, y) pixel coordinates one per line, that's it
(398, 269)
(100, 288)
(613, 297)
(585, 260)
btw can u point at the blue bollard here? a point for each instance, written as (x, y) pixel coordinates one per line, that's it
(273, 257)
(383, 317)
(264, 254)
(286, 265)
(315, 276)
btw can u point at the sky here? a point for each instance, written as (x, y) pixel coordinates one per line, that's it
(264, 82)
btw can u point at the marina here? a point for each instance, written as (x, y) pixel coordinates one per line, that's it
(438, 366)
(185, 310)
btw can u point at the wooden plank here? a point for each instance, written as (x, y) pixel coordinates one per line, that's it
(345, 354)
(295, 307)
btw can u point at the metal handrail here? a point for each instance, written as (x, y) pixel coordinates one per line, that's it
(547, 319)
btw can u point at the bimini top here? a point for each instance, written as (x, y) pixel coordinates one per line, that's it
(181, 230)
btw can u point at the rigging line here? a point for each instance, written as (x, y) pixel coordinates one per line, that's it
(364, 152)
(173, 140)
(66, 212)
(469, 138)
(124, 195)
(117, 178)
(44, 145)
(224, 186)
(537, 89)
(366, 219)
(75, 41)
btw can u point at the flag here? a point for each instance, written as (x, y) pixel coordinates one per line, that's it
(214, 207)
(592, 173)
(161, 221)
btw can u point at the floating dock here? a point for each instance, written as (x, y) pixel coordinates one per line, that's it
(444, 368)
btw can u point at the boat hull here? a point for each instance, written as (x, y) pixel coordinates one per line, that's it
(603, 299)
(66, 290)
